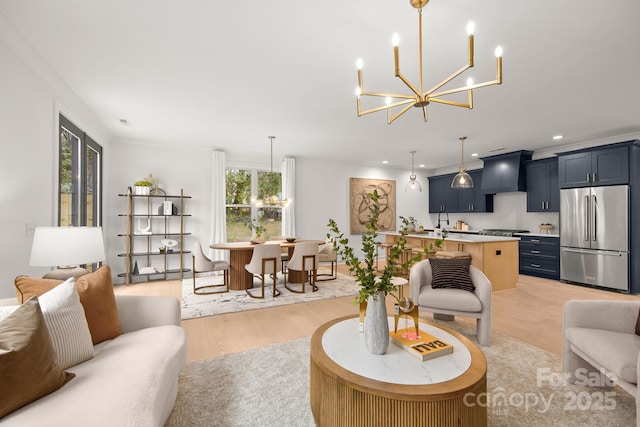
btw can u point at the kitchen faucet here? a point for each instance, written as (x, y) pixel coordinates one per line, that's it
(438, 226)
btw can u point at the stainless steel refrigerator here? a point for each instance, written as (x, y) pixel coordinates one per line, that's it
(594, 236)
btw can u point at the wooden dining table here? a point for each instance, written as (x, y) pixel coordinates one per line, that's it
(240, 255)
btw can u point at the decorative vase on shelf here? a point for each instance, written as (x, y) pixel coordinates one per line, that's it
(142, 190)
(376, 325)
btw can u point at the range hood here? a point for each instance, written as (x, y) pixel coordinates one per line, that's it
(505, 173)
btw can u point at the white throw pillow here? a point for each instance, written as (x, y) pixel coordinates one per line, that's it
(6, 310)
(67, 324)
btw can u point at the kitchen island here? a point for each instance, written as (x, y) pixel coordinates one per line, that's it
(495, 256)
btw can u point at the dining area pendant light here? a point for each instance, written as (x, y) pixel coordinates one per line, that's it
(273, 200)
(462, 178)
(412, 185)
(417, 96)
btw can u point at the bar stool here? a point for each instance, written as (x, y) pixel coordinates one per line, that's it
(386, 247)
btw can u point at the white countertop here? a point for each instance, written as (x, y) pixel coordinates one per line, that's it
(460, 237)
(538, 234)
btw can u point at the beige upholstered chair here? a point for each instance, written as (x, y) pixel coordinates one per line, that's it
(327, 254)
(599, 336)
(454, 302)
(284, 253)
(265, 261)
(304, 259)
(202, 264)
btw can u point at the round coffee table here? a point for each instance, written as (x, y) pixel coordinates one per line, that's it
(352, 387)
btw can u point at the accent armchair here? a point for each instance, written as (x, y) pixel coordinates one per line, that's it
(454, 302)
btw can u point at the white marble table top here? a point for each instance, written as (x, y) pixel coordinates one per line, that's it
(345, 346)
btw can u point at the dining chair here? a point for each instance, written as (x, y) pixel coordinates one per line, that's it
(284, 253)
(305, 260)
(265, 261)
(327, 254)
(202, 264)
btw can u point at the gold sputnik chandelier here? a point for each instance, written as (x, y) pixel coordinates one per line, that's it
(420, 98)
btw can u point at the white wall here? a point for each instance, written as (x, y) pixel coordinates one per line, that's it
(29, 108)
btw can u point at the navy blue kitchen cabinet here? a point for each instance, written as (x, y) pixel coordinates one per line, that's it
(594, 167)
(540, 256)
(543, 190)
(443, 198)
(471, 199)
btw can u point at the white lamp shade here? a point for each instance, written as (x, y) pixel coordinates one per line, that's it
(65, 246)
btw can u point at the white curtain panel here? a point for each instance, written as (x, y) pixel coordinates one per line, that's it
(288, 192)
(218, 208)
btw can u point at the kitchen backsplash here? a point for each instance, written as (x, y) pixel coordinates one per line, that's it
(509, 211)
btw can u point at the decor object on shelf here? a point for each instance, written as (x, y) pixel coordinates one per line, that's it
(273, 200)
(66, 248)
(359, 209)
(144, 229)
(419, 98)
(169, 244)
(462, 178)
(373, 287)
(412, 185)
(143, 187)
(154, 184)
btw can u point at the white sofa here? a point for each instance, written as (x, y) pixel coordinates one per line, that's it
(132, 380)
(600, 335)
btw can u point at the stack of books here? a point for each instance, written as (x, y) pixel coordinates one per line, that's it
(423, 346)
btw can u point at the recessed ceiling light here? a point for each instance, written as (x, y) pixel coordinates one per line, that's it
(384, 162)
(474, 155)
(556, 137)
(421, 166)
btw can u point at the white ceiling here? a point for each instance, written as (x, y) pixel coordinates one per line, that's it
(229, 74)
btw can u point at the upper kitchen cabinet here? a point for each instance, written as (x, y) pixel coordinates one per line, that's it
(594, 167)
(472, 199)
(443, 198)
(543, 190)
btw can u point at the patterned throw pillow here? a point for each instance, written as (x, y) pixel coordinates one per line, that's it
(452, 273)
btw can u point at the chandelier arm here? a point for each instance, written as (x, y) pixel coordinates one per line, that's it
(408, 83)
(424, 113)
(385, 107)
(391, 95)
(404, 110)
(463, 88)
(448, 79)
(454, 103)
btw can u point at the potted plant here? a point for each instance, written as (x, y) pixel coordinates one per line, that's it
(256, 228)
(374, 285)
(143, 187)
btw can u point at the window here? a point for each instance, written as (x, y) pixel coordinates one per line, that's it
(241, 184)
(80, 178)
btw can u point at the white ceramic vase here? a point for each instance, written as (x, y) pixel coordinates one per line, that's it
(376, 325)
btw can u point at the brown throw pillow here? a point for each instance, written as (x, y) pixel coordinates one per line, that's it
(28, 362)
(99, 302)
(27, 287)
(452, 273)
(96, 296)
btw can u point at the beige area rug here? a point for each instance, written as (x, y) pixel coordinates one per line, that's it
(269, 386)
(209, 305)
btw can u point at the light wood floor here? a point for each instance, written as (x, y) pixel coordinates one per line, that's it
(531, 313)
